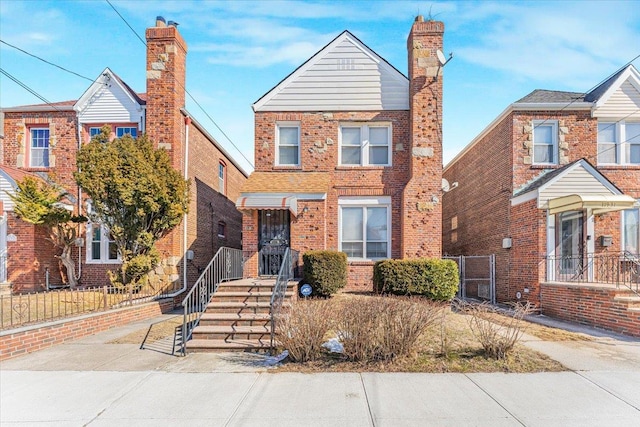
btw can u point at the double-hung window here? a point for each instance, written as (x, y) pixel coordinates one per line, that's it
(221, 177)
(122, 131)
(39, 148)
(364, 225)
(288, 144)
(545, 142)
(631, 230)
(619, 143)
(101, 248)
(94, 131)
(365, 144)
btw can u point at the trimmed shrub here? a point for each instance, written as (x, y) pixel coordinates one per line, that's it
(435, 279)
(325, 271)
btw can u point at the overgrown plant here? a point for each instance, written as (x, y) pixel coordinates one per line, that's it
(496, 330)
(42, 203)
(303, 327)
(383, 328)
(135, 192)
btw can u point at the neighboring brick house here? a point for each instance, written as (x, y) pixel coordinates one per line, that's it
(43, 140)
(551, 188)
(348, 157)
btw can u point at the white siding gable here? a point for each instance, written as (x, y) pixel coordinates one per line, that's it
(622, 99)
(108, 101)
(577, 180)
(344, 76)
(7, 185)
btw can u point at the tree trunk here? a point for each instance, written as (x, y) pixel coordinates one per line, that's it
(66, 260)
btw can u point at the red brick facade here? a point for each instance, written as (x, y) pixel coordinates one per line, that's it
(412, 183)
(168, 125)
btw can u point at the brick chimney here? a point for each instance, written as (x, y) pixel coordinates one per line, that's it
(422, 196)
(166, 75)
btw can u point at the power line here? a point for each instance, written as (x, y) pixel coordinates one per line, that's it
(45, 61)
(27, 88)
(186, 91)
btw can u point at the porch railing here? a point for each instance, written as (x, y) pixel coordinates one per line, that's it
(39, 307)
(225, 265)
(621, 269)
(288, 270)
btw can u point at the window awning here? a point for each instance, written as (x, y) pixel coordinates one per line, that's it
(268, 202)
(599, 203)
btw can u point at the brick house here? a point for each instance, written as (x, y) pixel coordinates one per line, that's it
(348, 157)
(551, 187)
(43, 140)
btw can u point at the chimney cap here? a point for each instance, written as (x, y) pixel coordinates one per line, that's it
(160, 21)
(173, 24)
(419, 18)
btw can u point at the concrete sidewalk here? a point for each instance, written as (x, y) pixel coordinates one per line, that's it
(90, 382)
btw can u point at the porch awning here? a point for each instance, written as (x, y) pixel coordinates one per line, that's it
(268, 202)
(599, 203)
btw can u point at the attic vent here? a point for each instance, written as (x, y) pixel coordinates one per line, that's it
(346, 64)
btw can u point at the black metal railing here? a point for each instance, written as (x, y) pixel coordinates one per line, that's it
(288, 270)
(621, 269)
(224, 266)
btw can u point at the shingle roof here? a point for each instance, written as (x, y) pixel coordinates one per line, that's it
(596, 93)
(17, 175)
(550, 96)
(287, 182)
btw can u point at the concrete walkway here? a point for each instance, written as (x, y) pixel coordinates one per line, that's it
(90, 382)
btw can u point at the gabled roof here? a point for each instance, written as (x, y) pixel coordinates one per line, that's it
(345, 75)
(547, 96)
(107, 77)
(601, 94)
(14, 175)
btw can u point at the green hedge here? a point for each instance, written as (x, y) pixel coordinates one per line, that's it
(325, 271)
(436, 279)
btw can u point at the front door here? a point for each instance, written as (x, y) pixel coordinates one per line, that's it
(570, 244)
(273, 240)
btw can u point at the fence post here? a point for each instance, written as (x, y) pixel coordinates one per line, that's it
(104, 294)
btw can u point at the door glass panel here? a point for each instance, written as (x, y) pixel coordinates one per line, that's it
(571, 247)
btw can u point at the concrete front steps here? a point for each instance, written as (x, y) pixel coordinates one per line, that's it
(238, 317)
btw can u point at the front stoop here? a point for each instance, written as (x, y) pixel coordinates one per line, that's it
(629, 299)
(237, 318)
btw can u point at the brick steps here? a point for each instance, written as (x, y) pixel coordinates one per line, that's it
(213, 345)
(232, 333)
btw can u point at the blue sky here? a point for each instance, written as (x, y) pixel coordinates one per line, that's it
(239, 50)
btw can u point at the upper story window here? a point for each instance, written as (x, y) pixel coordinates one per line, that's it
(122, 131)
(288, 144)
(364, 225)
(631, 230)
(39, 147)
(545, 142)
(221, 177)
(619, 143)
(365, 145)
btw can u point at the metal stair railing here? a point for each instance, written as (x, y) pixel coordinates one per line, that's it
(632, 267)
(287, 272)
(224, 266)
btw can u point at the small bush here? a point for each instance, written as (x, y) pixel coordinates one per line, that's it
(383, 328)
(325, 271)
(435, 279)
(496, 333)
(301, 329)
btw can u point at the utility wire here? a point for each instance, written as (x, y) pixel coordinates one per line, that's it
(45, 61)
(186, 91)
(27, 88)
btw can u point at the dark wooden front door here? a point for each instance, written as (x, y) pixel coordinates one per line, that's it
(273, 240)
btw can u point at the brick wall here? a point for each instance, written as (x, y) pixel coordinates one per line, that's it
(29, 339)
(590, 306)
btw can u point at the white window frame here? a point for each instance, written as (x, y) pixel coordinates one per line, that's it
(46, 149)
(365, 202)
(623, 226)
(622, 145)
(287, 124)
(104, 246)
(222, 176)
(553, 124)
(124, 132)
(364, 143)
(91, 128)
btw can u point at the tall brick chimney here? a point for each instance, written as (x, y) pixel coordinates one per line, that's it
(166, 75)
(422, 196)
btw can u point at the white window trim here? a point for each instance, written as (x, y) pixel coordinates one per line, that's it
(364, 143)
(371, 201)
(287, 124)
(222, 185)
(620, 142)
(104, 247)
(615, 143)
(622, 226)
(126, 127)
(554, 134)
(31, 147)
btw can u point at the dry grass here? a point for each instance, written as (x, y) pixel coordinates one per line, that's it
(153, 333)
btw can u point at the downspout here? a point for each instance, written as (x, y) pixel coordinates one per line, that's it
(187, 122)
